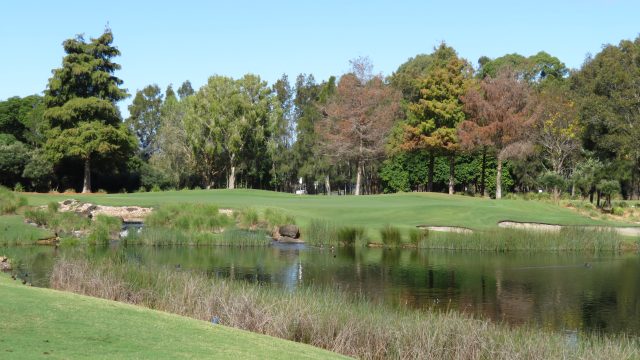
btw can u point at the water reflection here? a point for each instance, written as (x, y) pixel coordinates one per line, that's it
(551, 290)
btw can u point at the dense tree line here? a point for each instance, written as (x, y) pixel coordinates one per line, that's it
(510, 124)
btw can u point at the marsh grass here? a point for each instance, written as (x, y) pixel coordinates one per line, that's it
(322, 232)
(391, 235)
(59, 222)
(14, 232)
(327, 318)
(188, 217)
(277, 217)
(10, 201)
(417, 236)
(104, 229)
(172, 237)
(502, 240)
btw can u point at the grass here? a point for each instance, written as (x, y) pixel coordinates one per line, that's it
(502, 240)
(391, 235)
(14, 231)
(40, 323)
(404, 211)
(329, 319)
(10, 201)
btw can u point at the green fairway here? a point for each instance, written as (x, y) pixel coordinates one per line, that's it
(40, 323)
(373, 211)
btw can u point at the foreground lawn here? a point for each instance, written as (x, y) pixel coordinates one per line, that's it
(372, 211)
(39, 323)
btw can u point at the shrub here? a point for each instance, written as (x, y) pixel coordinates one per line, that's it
(618, 211)
(390, 235)
(18, 188)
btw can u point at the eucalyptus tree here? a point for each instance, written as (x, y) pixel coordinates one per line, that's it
(144, 118)
(227, 121)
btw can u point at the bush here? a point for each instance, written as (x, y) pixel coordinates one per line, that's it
(18, 187)
(618, 211)
(390, 235)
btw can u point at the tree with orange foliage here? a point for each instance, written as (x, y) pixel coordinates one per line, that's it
(358, 118)
(500, 117)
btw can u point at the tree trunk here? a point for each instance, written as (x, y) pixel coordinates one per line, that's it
(86, 187)
(452, 169)
(327, 184)
(573, 190)
(231, 184)
(483, 172)
(430, 172)
(598, 199)
(358, 178)
(499, 180)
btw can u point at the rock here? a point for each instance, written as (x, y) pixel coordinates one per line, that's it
(290, 231)
(5, 265)
(289, 240)
(54, 240)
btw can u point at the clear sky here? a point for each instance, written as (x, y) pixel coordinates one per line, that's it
(169, 42)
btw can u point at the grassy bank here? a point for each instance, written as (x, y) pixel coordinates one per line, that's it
(328, 319)
(38, 323)
(404, 211)
(14, 231)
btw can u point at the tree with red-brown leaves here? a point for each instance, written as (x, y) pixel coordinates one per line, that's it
(500, 117)
(358, 118)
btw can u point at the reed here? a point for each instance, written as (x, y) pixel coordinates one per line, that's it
(327, 318)
(10, 202)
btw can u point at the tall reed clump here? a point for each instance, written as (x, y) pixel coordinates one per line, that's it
(417, 236)
(567, 239)
(196, 224)
(321, 232)
(104, 229)
(188, 217)
(59, 222)
(391, 235)
(327, 318)
(10, 202)
(277, 217)
(351, 235)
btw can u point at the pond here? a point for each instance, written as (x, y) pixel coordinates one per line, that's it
(561, 291)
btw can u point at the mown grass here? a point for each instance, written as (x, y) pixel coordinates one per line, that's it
(329, 319)
(43, 323)
(405, 211)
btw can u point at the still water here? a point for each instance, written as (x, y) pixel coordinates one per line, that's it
(560, 291)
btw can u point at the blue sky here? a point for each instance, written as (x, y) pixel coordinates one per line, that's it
(169, 42)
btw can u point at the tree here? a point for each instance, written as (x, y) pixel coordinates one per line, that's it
(432, 120)
(22, 118)
(499, 117)
(358, 118)
(174, 156)
(540, 68)
(559, 129)
(80, 104)
(608, 88)
(14, 155)
(226, 120)
(145, 116)
(185, 90)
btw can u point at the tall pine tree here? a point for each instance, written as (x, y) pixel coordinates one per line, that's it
(80, 103)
